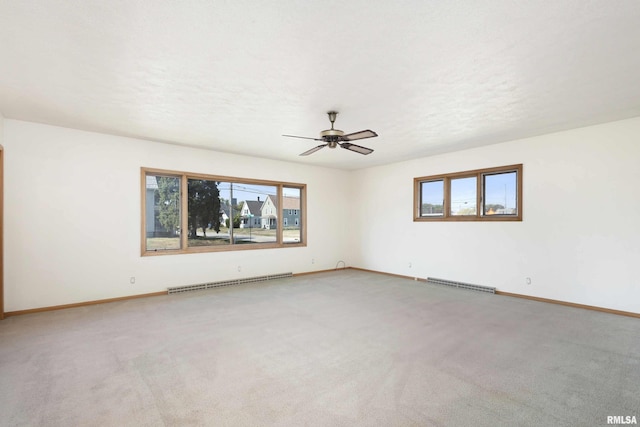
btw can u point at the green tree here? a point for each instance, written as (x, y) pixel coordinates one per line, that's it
(236, 221)
(234, 212)
(168, 202)
(203, 206)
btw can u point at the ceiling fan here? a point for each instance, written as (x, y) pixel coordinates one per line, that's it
(334, 137)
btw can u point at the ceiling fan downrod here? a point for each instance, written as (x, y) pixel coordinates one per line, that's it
(332, 136)
(332, 117)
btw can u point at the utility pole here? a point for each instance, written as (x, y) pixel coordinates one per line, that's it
(505, 198)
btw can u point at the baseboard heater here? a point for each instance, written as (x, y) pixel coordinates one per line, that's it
(210, 285)
(461, 285)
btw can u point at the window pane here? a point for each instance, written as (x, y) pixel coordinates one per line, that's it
(228, 211)
(291, 215)
(500, 194)
(162, 216)
(204, 215)
(431, 198)
(463, 196)
(258, 221)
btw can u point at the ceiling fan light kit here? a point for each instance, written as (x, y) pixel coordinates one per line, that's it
(335, 137)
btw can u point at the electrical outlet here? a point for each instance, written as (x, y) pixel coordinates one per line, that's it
(313, 261)
(239, 268)
(527, 280)
(132, 280)
(409, 265)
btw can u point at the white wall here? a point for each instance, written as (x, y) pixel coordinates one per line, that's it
(580, 238)
(72, 217)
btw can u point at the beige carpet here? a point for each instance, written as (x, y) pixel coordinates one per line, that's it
(348, 348)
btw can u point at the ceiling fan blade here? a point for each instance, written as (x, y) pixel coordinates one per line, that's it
(356, 148)
(313, 150)
(358, 135)
(303, 137)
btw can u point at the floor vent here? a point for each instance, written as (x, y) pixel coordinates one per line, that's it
(461, 285)
(202, 286)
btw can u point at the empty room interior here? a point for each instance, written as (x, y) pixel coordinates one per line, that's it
(319, 213)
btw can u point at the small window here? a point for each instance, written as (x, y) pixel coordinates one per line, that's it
(500, 193)
(163, 213)
(432, 198)
(463, 196)
(204, 223)
(493, 194)
(293, 199)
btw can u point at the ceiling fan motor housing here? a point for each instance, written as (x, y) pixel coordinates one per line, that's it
(331, 136)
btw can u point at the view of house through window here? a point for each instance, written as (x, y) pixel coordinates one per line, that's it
(220, 214)
(291, 210)
(256, 214)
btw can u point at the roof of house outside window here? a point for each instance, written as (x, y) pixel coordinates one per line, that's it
(254, 207)
(291, 202)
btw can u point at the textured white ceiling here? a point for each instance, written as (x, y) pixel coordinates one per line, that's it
(233, 76)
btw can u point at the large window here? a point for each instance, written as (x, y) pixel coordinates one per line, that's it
(184, 213)
(493, 194)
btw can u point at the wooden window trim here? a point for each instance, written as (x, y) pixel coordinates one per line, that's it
(184, 178)
(478, 174)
